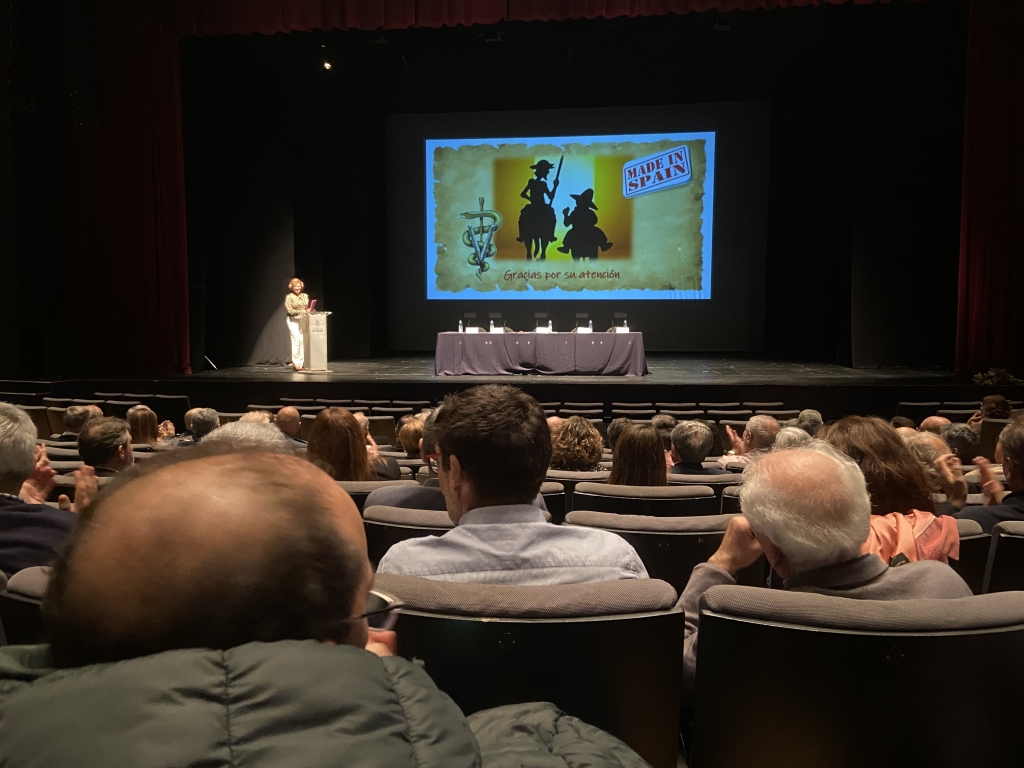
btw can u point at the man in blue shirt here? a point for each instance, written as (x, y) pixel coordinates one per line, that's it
(493, 451)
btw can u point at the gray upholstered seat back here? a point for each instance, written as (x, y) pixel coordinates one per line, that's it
(610, 521)
(561, 601)
(30, 582)
(421, 518)
(665, 500)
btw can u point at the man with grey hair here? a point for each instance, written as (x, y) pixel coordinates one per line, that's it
(758, 438)
(204, 421)
(807, 510)
(691, 443)
(963, 441)
(1000, 505)
(791, 437)
(30, 533)
(251, 436)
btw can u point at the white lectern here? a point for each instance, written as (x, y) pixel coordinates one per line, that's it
(314, 334)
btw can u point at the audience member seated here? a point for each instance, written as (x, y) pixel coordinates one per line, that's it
(933, 424)
(665, 423)
(266, 611)
(204, 421)
(1001, 505)
(757, 439)
(338, 445)
(364, 424)
(289, 422)
(615, 428)
(791, 437)
(576, 446)
(31, 532)
(942, 470)
(409, 436)
(963, 441)
(554, 422)
(900, 422)
(809, 421)
(257, 417)
(75, 418)
(106, 445)
(495, 448)
(250, 436)
(638, 458)
(903, 521)
(992, 407)
(144, 428)
(691, 443)
(185, 436)
(808, 511)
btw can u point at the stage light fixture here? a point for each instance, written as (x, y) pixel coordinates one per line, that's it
(327, 65)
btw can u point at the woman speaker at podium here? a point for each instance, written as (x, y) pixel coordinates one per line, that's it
(297, 305)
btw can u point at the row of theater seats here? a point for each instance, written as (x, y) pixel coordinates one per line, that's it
(784, 678)
(954, 410)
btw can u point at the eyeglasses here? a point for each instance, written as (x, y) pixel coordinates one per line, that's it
(380, 610)
(433, 462)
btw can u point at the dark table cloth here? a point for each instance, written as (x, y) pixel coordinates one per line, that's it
(587, 354)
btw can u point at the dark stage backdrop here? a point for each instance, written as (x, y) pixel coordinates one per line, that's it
(862, 223)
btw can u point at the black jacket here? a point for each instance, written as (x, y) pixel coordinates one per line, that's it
(30, 533)
(1012, 508)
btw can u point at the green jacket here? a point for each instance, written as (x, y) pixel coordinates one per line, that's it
(282, 705)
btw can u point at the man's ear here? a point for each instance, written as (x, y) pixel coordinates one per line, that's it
(674, 455)
(420, 446)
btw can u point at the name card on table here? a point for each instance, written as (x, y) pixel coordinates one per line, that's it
(584, 329)
(498, 329)
(620, 329)
(473, 329)
(542, 329)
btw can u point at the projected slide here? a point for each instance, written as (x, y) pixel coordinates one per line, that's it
(570, 217)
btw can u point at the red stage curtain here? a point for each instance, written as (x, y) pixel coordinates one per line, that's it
(990, 327)
(127, 200)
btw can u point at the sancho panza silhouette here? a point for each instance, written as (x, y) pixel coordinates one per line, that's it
(537, 219)
(585, 237)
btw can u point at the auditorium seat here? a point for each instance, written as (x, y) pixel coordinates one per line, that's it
(171, 408)
(662, 407)
(273, 409)
(54, 420)
(731, 499)
(119, 408)
(56, 402)
(825, 665)
(974, 547)
(738, 414)
(386, 526)
(21, 398)
(1004, 571)
(607, 653)
(372, 403)
(21, 618)
(566, 413)
(416, 405)
(584, 407)
(65, 485)
(635, 414)
(689, 415)
(40, 417)
(227, 418)
(313, 409)
(778, 415)
(633, 406)
(550, 406)
(297, 400)
(306, 422)
(66, 466)
(990, 431)
(332, 403)
(719, 406)
(717, 483)
(393, 411)
(918, 411)
(353, 409)
(383, 427)
(660, 501)
(108, 395)
(974, 405)
(957, 415)
(360, 489)
(569, 480)
(554, 500)
(670, 547)
(765, 406)
(88, 401)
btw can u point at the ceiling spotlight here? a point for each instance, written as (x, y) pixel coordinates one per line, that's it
(327, 65)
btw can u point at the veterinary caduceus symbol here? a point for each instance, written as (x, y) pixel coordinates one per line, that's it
(480, 237)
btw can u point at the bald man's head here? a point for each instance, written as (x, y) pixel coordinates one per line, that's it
(210, 552)
(289, 421)
(933, 424)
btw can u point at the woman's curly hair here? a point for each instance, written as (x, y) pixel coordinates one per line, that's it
(576, 445)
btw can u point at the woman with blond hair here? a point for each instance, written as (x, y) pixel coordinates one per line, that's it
(576, 445)
(296, 303)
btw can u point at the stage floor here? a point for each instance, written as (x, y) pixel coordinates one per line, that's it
(665, 370)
